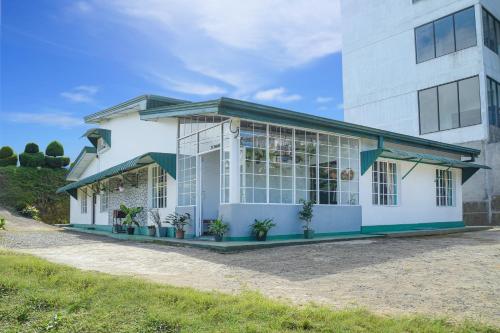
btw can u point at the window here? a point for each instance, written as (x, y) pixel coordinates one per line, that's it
(384, 183)
(445, 35)
(83, 201)
(349, 171)
(445, 188)
(253, 156)
(280, 165)
(305, 166)
(494, 102)
(451, 105)
(186, 178)
(104, 198)
(226, 162)
(329, 152)
(159, 179)
(491, 30)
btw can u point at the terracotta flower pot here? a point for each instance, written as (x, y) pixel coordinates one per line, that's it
(179, 234)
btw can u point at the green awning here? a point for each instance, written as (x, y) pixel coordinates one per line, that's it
(94, 134)
(370, 156)
(166, 161)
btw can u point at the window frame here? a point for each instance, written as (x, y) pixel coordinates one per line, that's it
(450, 185)
(157, 172)
(496, 23)
(104, 199)
(454, 34)
(83, 202)
(458, 100)
(397, 194)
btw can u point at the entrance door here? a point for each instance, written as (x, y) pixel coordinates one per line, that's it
(94, 201)
(210, 188)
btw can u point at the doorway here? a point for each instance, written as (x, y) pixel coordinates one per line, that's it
(94, 201)
(210, 189)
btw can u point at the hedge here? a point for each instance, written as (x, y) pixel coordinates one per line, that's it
(6, 151)
(31, 148)
(56, 162)
(11, 160)
(54, 149)
(32, 160)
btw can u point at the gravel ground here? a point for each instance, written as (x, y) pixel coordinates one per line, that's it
(456, 275)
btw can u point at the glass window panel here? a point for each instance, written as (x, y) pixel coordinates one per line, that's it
(445, 39)
(465, 29)
(384, 183)
(470, 103)
(424, 40)
(448, 106)
(428, 108)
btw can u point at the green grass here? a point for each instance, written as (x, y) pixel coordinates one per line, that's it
(20, 186)
(38, 296)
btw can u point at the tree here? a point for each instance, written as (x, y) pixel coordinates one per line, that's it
(55, 158)
(7, 156)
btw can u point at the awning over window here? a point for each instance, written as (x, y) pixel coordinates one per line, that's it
(94, 134)
(166, 161)
(370, 156)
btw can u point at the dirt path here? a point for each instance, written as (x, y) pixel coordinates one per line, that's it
(456, 275)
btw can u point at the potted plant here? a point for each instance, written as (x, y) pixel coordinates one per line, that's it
(155, 216)
(179, 221)
(261, 227)
(218, 228)
(130, 214)
(306, 215)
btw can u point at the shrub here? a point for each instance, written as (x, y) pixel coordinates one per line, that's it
(31, 148)
(2, 223)
(56, 162)
(32, 160)
(31, 211)
(11, 160)
(54, 149)
(5, 152)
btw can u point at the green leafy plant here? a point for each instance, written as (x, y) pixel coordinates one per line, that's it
(31, 148)
(218, 227)
(306, 213)
(155, 216)
(130, 215)
(55, 148)
(261, 227)
(178, 221)
(7, 156)
(2, 223)
(31, 211)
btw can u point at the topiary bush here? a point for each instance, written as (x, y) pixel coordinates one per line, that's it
(7, 156)
(54, 149)
(33, 160)
(31, 148)
(56, 162)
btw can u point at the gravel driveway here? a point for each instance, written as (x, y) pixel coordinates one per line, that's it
(456, 275)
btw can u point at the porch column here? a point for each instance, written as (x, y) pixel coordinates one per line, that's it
(234, 166)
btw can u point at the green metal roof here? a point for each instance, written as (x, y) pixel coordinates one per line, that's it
(94, 134)
(370, 156)
(85, 151)
(167, 161)
(152, 101)
(246, 110)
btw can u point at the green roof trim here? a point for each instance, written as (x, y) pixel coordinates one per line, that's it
(370, 156)
(85, 150)
(258, 112)
(152, 101)
(94, 134)
(166, 161)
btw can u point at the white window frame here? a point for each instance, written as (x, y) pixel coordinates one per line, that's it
(159, 189)
(377, 183)
(83, 201)
(449, 186)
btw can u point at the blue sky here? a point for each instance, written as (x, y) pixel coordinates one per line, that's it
(62, 60)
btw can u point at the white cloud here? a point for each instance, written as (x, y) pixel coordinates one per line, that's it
(276, 94)
(193, 88)
(48, 118)
(240, 43)
(83, 6)
(81, 94)
(340, 106)
(323, 99)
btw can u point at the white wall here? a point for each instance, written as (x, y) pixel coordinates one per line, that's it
(416, 197)
(380, 74)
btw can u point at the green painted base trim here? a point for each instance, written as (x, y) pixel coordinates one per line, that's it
(373, 229)
(291, 236)
(98, 227)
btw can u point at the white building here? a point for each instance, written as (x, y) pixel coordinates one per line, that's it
(429, 68)
(243, 161)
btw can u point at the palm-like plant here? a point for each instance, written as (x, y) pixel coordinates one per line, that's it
(130, 214)
(178, 221)
(218, 227)
(261, 227)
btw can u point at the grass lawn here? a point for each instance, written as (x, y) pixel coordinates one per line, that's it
(38, 296)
